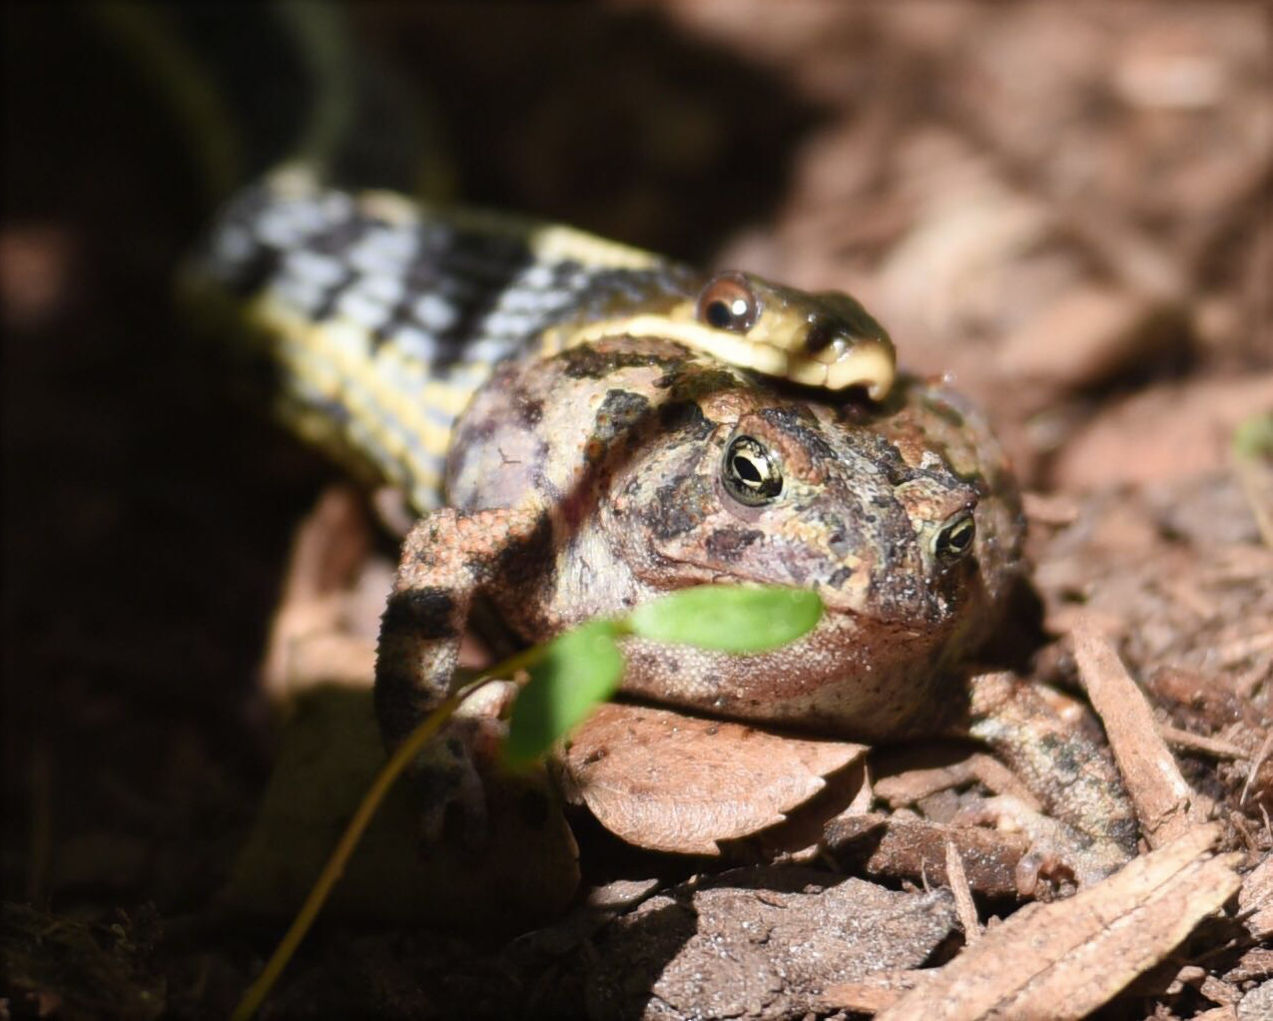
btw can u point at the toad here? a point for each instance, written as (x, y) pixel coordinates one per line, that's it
(582, 484)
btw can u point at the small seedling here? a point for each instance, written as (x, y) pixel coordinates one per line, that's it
(568, 677)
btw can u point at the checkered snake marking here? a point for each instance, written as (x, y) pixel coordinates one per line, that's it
(382, 316)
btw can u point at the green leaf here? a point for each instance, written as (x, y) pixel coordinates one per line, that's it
(576, 671)
(730, 618)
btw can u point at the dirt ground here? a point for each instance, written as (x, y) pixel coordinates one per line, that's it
(1064, 207)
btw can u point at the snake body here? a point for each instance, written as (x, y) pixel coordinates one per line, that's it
(380, 316)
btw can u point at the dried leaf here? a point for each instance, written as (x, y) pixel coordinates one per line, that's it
(1166, 431)
(670, 782)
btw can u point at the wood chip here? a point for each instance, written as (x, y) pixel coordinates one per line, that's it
(1165, 804)
(1066, 959)
(1084, 337)
(964, 906)
(912, 785)
(1055, 509)
(1256, 899)
(1218, 991)
(872, 993)
(889, 846)
(1255, 965)
(620, 893)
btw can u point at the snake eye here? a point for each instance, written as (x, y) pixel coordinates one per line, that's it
(955, 538)
(751, 472)
(727, 303)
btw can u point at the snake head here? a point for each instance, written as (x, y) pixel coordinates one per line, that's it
(825, 340)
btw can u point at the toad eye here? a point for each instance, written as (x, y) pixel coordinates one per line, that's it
(955, 538)
(751, 473)
(727, 303)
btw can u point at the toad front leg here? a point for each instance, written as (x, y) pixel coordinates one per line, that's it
(1073, 775)
(448, 559)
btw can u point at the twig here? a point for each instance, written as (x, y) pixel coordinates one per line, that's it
(1215, 746)
(1165, 803)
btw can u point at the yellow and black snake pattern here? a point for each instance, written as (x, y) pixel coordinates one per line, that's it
(381, 316)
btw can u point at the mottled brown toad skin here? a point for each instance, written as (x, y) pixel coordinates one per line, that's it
(584, 484)
(620, 469)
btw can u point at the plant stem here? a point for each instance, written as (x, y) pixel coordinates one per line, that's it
(335, 867)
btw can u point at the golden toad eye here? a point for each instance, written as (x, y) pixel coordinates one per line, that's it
(955, 538)
(750, 472)
(726, 302)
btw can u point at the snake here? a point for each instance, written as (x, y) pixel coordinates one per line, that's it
(378, 315)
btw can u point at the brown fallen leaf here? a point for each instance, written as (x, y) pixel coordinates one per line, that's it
(1066, 959)
(307, 643)
(669, 782)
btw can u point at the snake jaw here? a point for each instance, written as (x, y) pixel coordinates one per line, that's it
(868, 363)
(828, 339)
(846, 361)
